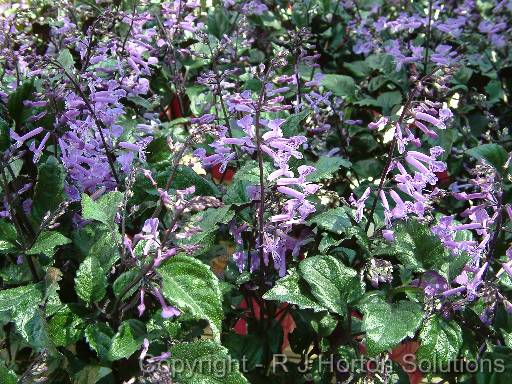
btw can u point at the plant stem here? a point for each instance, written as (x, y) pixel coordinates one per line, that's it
(429, 35)
(410, 98)
(98, 122)
(261, 211)
(19, 231)
(390, 154)
(297, 79)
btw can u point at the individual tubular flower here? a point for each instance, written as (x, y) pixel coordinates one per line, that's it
(360, 204)
(168, 311)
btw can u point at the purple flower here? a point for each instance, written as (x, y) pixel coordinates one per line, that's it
(432, 283)
(360, 204)
(381, 123)
(167, 311)
(21, 139)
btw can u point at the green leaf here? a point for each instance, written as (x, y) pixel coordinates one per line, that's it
(66, 60)
(140, 101)
(186, 177)
(368, 168)
(327, 242)
(326, 167)
(208, 219)
(248, 347)
(388, 100)
(208, 222)
(91, 374)
(22, 304)
(340, 85)
(376, 82)
(492, 154)
(98, 241)
(417, 248)
(332, 283)
(192, 287)
(250, 172)
(32, 326)
(386, 325)
(90, 281)
(19, 297)
(7, 376)
(158, 150)
(5, 139)
(104, 209)
(65, 327)
(205, 362)
(46, 243)
(498, 367)
(334, 220)
(17, 110)
(440, 340)
(236, 192)
(99, 336)
(291, 126)
(381, 62)
(49, 190)
(358, 68)
(123, 280)
(293, 290)
(127, 340)
(247, 175)
(8, 237)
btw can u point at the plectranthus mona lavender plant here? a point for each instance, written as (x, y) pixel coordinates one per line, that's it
(255, 191)
(281, 193)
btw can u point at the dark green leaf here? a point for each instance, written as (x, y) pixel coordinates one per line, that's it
(340, 85)
(388, 100)
(386, 325)
(22, 303)
(66, 60)
(90, 281)
(293, 290)
(65, 327)
(248, 348)
(205, 362)
(18, 297)
(7, 376)
(186, 177)
(417, 247)
(99, 336)
(17, 110)
(127, 340)
(46, 243)
(100, 242)
(327, 242)
(194, 289)
(326, 167)
(368, 168)
(334, 220)
(104, 209)
(208, 222)
(123, 280)
(91, 374)
(440, 340)
(5, 139)
(333, 284)
(49, 190)
(8, 237)
(291, 126)
(492, 154)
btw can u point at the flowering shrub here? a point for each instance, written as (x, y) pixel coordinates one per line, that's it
(193, 189)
